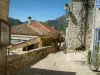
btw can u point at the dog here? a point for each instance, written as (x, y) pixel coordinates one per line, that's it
(81, 48)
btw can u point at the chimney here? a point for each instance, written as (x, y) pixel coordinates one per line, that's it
(53, 27)
(29, 20)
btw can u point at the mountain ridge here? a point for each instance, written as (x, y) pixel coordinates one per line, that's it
(59, 23)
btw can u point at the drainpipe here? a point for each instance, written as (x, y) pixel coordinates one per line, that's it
(86, 23)
(93, 36)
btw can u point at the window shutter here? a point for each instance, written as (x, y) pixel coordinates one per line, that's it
(97, 3)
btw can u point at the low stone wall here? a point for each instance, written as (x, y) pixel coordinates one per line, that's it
(27, 58)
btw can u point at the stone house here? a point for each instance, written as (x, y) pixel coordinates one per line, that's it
(84, 26)
(81, 23)
(33, 35)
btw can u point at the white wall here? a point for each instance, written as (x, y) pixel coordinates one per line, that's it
(15, 39)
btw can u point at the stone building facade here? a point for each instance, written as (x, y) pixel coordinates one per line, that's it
(4, 11)
(81, 22)
(84, 28)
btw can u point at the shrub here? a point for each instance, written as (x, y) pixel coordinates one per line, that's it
(89, 57)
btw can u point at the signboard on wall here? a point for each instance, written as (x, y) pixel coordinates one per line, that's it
(4, 33)
(97, 3)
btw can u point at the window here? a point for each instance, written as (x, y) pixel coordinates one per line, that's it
(36, 45)
(25, 48)
(30, 47)
(97, 35)
(97, 3)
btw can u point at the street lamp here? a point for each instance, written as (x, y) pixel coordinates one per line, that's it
(67, 9)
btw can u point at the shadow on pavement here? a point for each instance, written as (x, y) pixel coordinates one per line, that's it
(36, 71)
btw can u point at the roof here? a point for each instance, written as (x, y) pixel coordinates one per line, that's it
(51, 29)
(40, 28)
(23, 29)
(44, 27)
(35, 29)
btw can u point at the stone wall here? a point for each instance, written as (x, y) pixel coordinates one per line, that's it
(97, 18)
(4, 11)
(95, 25)
(26, 59)
(75, 23)
(90, 22)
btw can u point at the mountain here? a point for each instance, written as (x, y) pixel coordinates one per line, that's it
(59, 23)
(13, 21)
(27, 21)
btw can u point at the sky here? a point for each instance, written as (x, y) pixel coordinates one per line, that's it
(41, 10)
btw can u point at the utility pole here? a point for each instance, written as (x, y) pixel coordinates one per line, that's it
(4, 35)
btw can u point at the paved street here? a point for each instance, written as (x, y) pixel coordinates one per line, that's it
(61, 64)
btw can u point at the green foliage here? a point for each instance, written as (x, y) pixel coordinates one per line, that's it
(97, 63)
(89, 57)
(57, 25)
(13, 21)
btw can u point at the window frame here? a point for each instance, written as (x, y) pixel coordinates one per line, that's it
(97, 30)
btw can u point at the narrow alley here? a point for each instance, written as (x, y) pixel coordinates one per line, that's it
(61, 64)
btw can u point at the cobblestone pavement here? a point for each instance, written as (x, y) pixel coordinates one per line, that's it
(61, 64)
